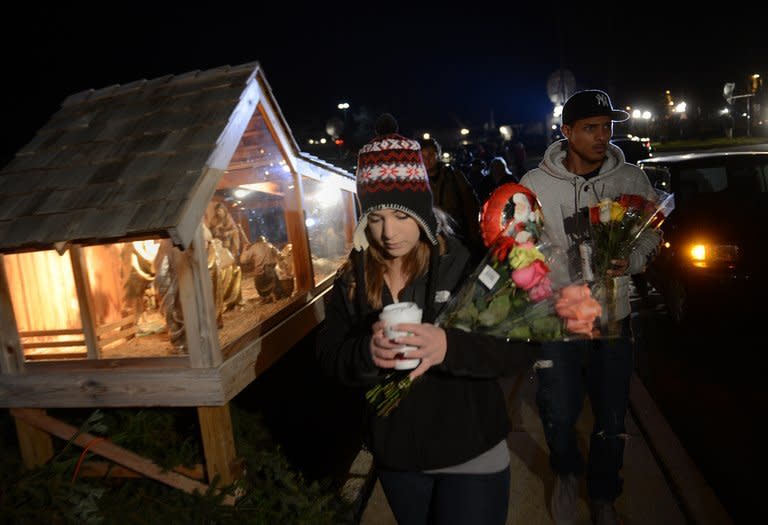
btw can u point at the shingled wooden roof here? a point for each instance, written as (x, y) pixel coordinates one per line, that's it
(129, 161)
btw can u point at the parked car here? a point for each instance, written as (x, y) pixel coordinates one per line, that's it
(714, 249)
(635, 148)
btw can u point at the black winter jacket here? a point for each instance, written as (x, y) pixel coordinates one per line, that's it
(456, 410)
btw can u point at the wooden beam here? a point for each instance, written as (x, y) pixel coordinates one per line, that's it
(197, 303)
(295, 224)
(57, 356)
(112, 452)
(101, 387)
(238, 123)
(189, 219)
(11, 352)
(278, 128)
(102, 469)
(218, 443)
(84, 297)
(45, 333)
(36, 445)
(294, 210)
(141, 364)
(241, 369)
(56, 344)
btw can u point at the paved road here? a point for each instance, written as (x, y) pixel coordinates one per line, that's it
(708, 379)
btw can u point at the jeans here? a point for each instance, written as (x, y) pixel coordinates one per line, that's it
(604, 368)
(417, 498)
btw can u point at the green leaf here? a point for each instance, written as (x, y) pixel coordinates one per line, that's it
(519, 332)
(546, 328)
(496, 311)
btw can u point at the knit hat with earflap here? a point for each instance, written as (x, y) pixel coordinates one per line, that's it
(391, 174)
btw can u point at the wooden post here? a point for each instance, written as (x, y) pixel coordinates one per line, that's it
(295, 224)
(36, 445)
(292, 202)
(84, 297)
(218, 443)
(11, 352)
(197, 303)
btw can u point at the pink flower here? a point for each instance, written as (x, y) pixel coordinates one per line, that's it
(577, 306)
(529, 276)
(541, 291)
(576, 326)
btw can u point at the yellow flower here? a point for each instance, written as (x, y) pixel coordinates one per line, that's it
(524, 254)
(617, 211)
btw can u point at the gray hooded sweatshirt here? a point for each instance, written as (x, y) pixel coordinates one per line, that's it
(561, 193)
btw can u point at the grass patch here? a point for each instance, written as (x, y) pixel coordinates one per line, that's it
(272, 492)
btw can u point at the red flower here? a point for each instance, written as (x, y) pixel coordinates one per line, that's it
(504, 244)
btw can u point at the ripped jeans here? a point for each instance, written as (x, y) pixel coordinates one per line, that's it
(603, 368)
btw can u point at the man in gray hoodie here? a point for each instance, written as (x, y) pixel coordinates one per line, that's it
(576, 173)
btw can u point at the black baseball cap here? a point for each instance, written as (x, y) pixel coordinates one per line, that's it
(591, 103)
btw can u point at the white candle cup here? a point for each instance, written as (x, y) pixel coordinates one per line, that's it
(397, 313)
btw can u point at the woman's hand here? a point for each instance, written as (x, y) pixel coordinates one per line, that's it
(430, 342)
(383, 351)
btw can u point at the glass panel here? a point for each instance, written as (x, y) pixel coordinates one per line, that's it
(44, 299)
(330, 224)
(703, 180)
(134, 297)
(659, 177)
(254, 222)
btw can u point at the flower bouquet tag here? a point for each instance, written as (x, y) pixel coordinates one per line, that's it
(489, 277)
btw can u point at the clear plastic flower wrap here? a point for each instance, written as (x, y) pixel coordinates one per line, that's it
(615, 227)
(511, 294)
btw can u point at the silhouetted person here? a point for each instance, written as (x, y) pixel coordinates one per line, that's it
(454, 195)
(475, 175)
(498, 174)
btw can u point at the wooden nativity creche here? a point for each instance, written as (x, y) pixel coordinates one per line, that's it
(162, 243)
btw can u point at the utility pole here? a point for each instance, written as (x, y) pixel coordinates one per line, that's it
(730, 97)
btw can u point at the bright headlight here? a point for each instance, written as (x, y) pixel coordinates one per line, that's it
(704, 254)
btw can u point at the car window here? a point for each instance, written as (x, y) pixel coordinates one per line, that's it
(658, 177)
(749, 178)
(703, 180)
(763, 177)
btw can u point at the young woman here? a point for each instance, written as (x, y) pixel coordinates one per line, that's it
(441, 454)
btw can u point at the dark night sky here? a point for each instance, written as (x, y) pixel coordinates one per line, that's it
(429, 66)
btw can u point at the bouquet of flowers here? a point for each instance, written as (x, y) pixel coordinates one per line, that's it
(615, 226)
(510, 294)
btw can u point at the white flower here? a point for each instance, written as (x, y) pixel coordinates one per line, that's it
(605, 210)
(523, 236)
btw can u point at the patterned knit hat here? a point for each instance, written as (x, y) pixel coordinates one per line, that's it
(391, 174)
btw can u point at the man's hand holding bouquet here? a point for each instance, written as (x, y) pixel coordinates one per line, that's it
(615, 227)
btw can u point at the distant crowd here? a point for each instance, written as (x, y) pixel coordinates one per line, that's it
(489, 164)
